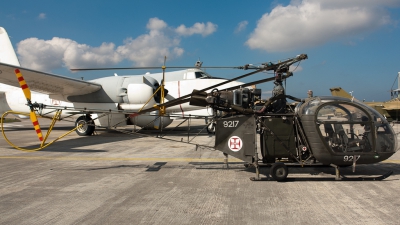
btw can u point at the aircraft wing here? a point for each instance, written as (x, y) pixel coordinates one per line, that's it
(46, 83)
(393, 104)
(391, 107)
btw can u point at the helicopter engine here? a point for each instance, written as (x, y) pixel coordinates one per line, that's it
(239, 98)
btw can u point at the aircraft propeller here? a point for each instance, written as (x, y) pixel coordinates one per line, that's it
(27, 93)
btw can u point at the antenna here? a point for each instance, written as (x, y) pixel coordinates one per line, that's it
(198, 63)
(398, 84)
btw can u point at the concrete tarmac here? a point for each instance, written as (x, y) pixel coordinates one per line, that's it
(116, 178)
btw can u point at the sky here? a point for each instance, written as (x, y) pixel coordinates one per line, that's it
(353, 44)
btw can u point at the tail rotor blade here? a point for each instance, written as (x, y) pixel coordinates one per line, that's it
(36, 125)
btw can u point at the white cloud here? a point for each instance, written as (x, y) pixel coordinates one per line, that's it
(150, 49)
(42, 16)
(308, 23)
(241, 26)
(156, 24)
(197, 28)
(81, 55)
(147, 49)
(46, 55)
(41, 54)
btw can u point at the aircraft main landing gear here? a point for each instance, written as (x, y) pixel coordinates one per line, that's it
(87, 125)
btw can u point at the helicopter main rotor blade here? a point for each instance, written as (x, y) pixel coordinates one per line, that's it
(185, 98)
(245, 67)
(158, 67)
(256, 82)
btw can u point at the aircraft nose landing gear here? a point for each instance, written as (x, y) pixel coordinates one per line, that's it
(211, 128)
(86, 125)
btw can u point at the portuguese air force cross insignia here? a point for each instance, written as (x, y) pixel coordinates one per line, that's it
(235, 143)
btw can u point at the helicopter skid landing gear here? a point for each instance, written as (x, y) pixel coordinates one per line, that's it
(344, 178)
(257, 178)
(337, 172)
(381, 177)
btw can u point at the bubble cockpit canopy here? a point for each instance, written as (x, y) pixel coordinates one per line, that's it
(349, 126)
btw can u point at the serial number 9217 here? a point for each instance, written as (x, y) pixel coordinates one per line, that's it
(233, 123)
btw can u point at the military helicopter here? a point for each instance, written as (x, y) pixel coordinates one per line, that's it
(329, 130)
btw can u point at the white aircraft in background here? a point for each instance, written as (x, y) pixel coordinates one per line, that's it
(122, 94)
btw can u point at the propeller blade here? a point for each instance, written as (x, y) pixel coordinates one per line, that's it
(169, 97)
(22, 83)
(27, 93)
(151, 82)
(35, 123)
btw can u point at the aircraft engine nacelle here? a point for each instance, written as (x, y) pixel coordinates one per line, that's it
(140, 94)
(149, 121)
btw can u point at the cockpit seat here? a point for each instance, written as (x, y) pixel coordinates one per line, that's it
(347, 145)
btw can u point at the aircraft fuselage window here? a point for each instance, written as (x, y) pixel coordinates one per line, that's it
(190, 76)
(198, 75)
(201, 75)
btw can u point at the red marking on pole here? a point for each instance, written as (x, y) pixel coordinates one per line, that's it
(38, 131)
(35, 123)
(24, 86)
(16, 70)
(20, 79)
